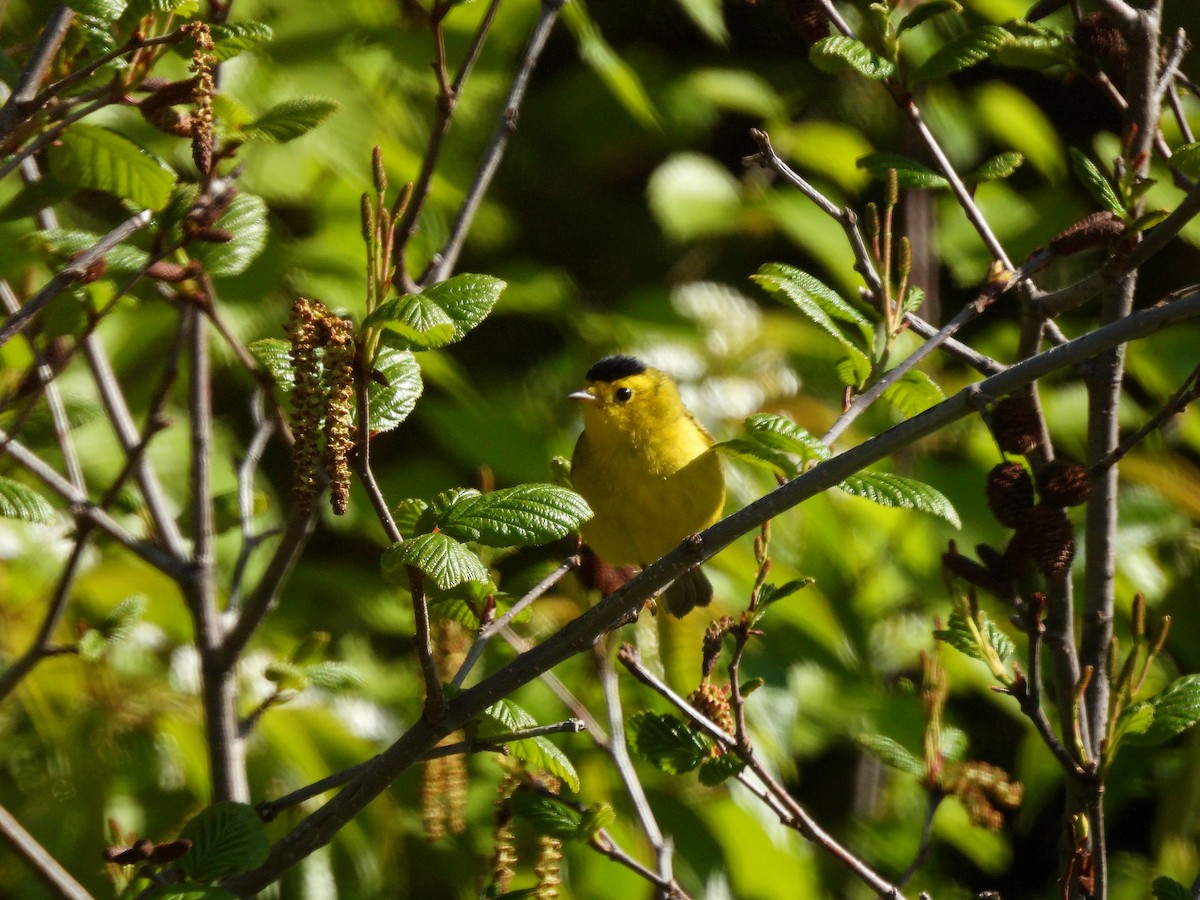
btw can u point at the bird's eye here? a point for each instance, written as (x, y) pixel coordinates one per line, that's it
(623, 395)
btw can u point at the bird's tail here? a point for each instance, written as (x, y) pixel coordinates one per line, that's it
(685, 593)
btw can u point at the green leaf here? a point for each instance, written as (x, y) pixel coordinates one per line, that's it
(666, 742)
(290, 119)
(913, 299)
(1168, 889)
(888, 489)
(230, 40)
(105, 10)
(416, 318)
(1147, 220)
(1095, 182)
(443, 559)
(707, 16)
(392, 402)
(837, 53)
(88, 156)
(17, 501)
(275, 355)
(548, 816)
(285, 675)
(227, 838)
(910, 174)
(914, 393)
(334, 676)
(1034, 46)
(123, 617)
(246, 220)
(963, 51)
(891, 753)
(773, 593)
(91, 645)
(1187, 159)
(519, 516)
(927, 11)
(190, 892)
(820, 304)
(503, 717)
(467, 299)
(720, 769)
(617, 75)
(122, 259)
(757, 454)
(959, 635)
(997, 167)
(596, 817)
(1176, 709)
(540, 753)
(693, 196)
(781, 433)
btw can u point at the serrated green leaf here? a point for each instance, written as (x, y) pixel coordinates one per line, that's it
(891, 753)
(466, 299)
(519, 516)
(391, 403)
(123, 617)
(547, 816)
(910, 174)
(954, 743)
(91, 645)
(229, 40)
(122, 259)
(1034, 46)
(853, 370)
(1147, 220)
(781, 433)
(286, 675)
(439, 556)
(291, 119)
(246, 220)
(997, 167)
(959, 635)
(455, 608)
(838, 53)
(407, 513)
(275, 355)
(963, 51)
(913, 299)
(18, 501)
(757, 454)
(88, 156)
(105, 10)
(927, 11)
(504, 716)
(227, 838)
(888, 489)
(1168, 889)
(334, 676)
(914, 393)
(1187, 159)
(719, 769)
(1095, 182)
(415, 318)
(1133, 720)
(820, 305)
(773, 593)
(1176, 709)
(541, 753)
(666, 742)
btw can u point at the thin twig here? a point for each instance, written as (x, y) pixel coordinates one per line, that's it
(20, 105)
(71, 273)
(1176, 403)
(444, 261)
(982, 364)
(491, 629)
(48, 869)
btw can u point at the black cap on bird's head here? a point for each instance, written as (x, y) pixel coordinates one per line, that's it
(616, 366)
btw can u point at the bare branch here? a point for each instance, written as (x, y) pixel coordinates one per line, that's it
(48, 869)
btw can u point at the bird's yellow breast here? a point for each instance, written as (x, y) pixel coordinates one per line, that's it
(648, 470)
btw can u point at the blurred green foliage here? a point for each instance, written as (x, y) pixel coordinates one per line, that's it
(622, 219)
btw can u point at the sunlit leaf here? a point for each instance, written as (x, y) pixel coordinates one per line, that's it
(666, 742)
(443, 559)
(963, 51)
(997, 167)
(913, 393)
(18, 501)
(517, 516)
(1097, 185)
(227, 838)
(290, 119)
(927, 11)
(547, 816)
(1176, 709)
(246, 220)
(896, 491)
(232, 39)
(396, 395)
(910, 174)
(88, 156)
(838, 53)
(891, 753)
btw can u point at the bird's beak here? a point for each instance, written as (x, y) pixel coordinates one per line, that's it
(582, 396)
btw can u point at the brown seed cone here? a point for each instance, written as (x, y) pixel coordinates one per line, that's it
(1051, 540)
(1100, 39)
(1097, 228)
(1015, 424)
(1062, 482)
(990, 580)
(1010, 493)
(809, 18)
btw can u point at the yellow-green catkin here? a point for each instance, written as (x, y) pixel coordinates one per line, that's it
(308, 399)
(547, 868)
(203, 63)
(339, 400)
(445, 779)
(504, 862)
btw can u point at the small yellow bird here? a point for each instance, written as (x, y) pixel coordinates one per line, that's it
(648, 470)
